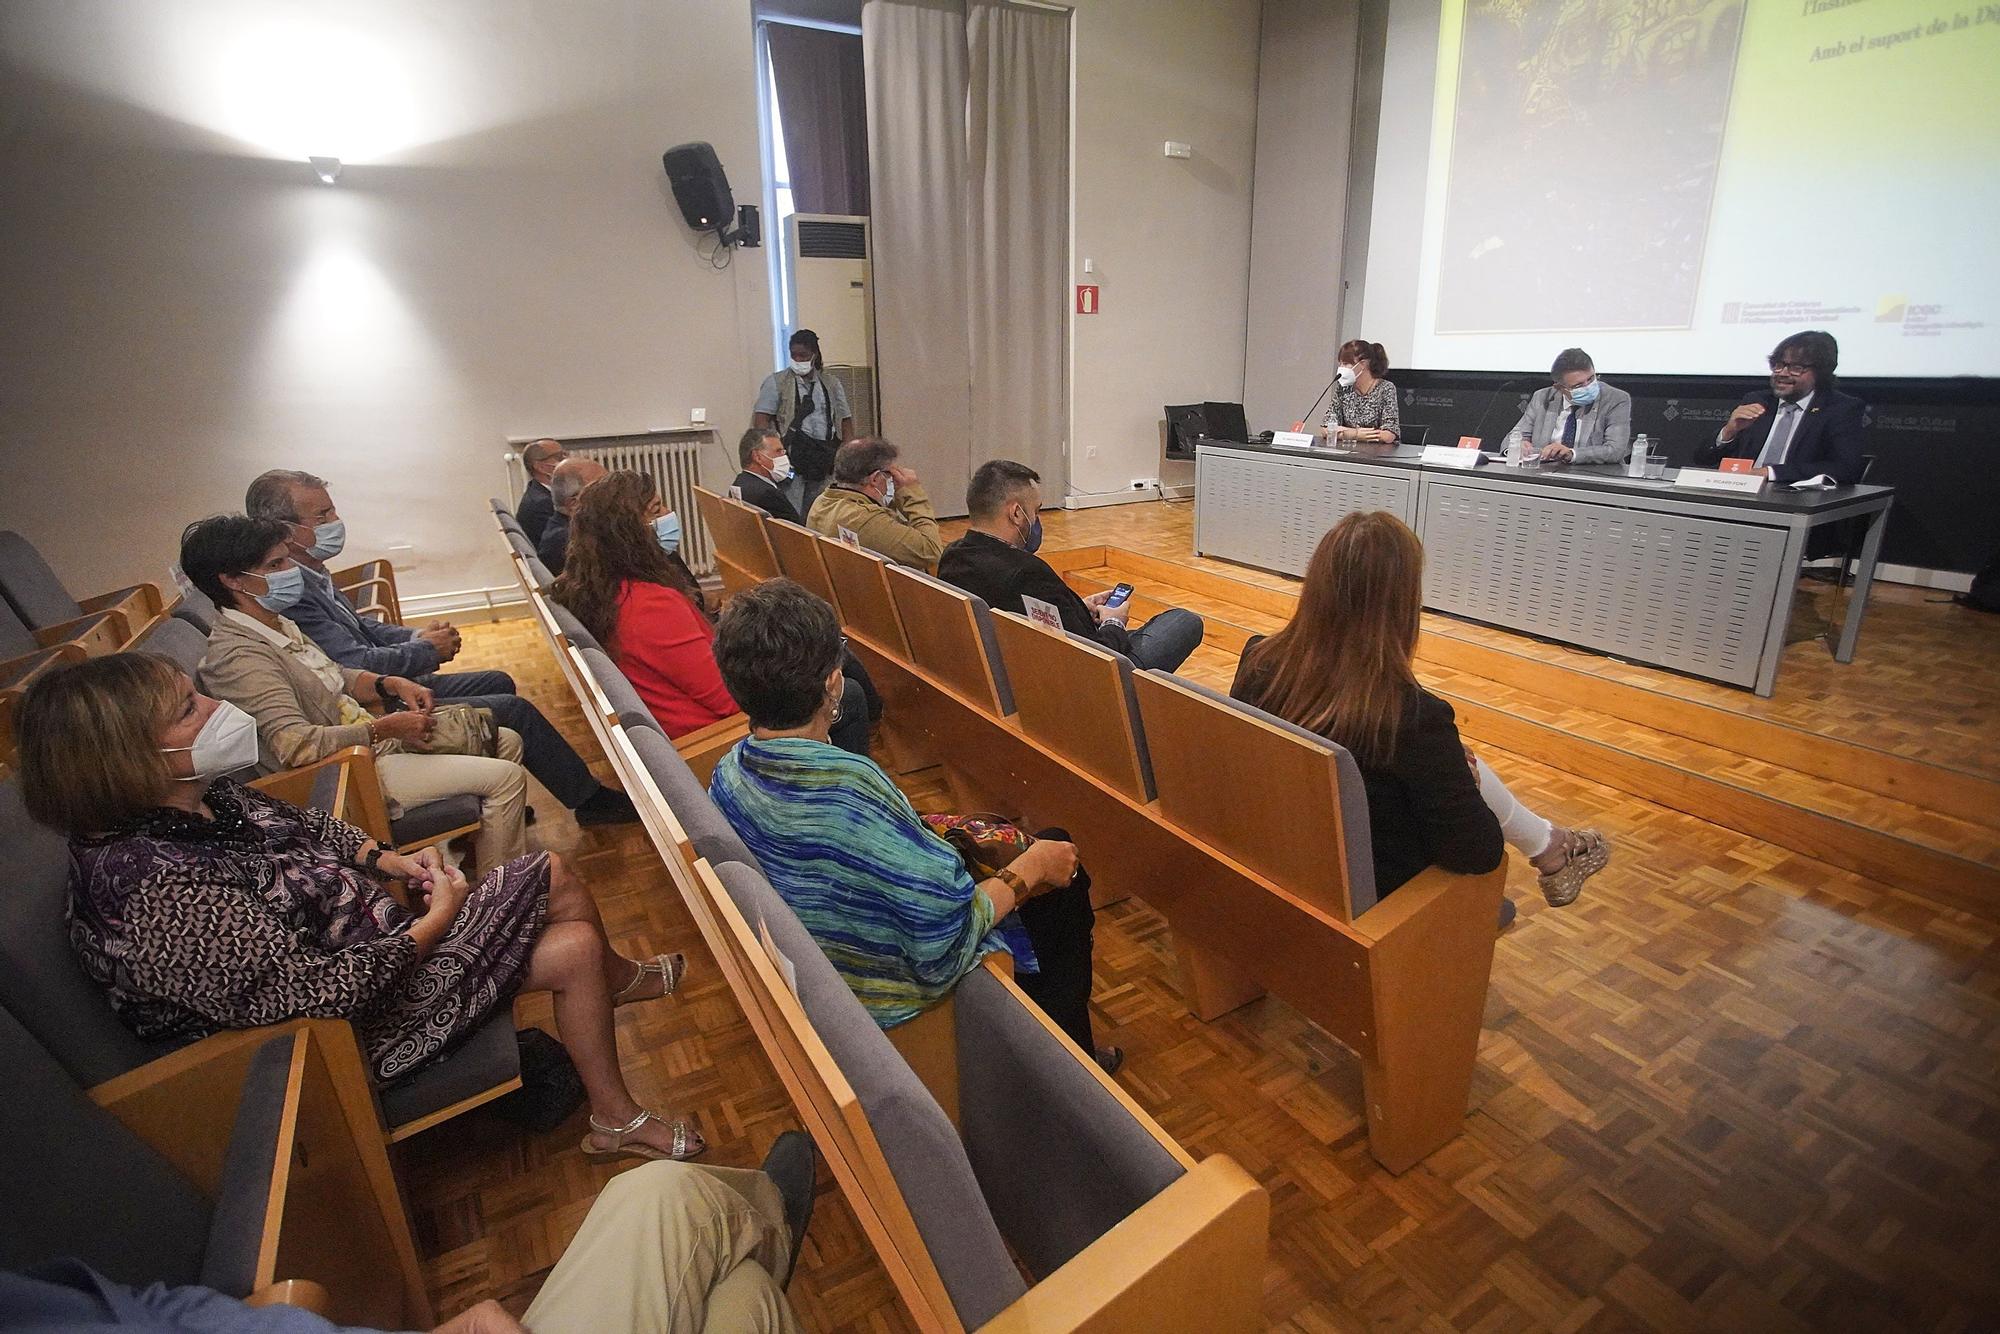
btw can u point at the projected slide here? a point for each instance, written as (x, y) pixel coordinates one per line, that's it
(1675, 183)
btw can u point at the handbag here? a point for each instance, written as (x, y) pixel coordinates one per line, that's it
(460, 729)
(985, 843)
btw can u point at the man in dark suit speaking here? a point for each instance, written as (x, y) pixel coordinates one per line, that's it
(1802, 425)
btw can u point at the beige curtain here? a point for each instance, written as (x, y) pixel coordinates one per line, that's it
(968, 144)
(1017, 132)
(824, 107)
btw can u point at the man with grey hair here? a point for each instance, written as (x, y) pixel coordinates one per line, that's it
(881, 503)
(571, 477)
(317, 533)
(540, 460)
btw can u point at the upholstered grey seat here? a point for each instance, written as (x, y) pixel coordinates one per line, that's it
(16, 639)
(418, 824)
(1361, 891)
(42, 985)
(196, 609)
(618, 692)
(176, 639)
(1125, 670)
(540, 571)
(80, 1185)
(707, 829)
(517, 538)
(922, 1149)
(31, 587)
(571, 627)
(982, 616)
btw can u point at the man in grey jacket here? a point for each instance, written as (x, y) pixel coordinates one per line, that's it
(1578, 418)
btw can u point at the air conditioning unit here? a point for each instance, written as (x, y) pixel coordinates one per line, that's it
(836, 299)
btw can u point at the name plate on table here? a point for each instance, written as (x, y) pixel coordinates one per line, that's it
(1452, 456)
(1708, 479)
(1291, 439)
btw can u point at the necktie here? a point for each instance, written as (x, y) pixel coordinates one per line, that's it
(1569, 429)
(1780, 439)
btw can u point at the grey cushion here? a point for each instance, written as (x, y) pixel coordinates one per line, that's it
(982, 615)
(15, 636)
(1125, 670)
(176, 639)
(540, 571)
(618, 692)
(435, 817)
(196, 609)
(40, 980)
(31, 587)
(489, 1055)
(517, 538)
(571, 627)
(706, 828)
(236, 1228)
(1353, 795)
(80, 1184)
(500, 506)
(918, 1142)
(1032, 1115)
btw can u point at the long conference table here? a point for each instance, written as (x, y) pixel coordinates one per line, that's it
(1696, 581)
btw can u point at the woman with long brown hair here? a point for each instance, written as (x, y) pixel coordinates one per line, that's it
(1342, 668)
(625, 580)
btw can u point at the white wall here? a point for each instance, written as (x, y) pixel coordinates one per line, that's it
(1170, 237)
(1305, 102)
(185, 305)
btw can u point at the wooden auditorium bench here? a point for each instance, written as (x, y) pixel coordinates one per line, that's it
(743, 554)
(48, 608)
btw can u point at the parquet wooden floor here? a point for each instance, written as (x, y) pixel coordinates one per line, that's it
(1731, 1088)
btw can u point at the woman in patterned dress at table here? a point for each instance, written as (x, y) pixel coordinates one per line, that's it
(199, 904)
(1364, 408)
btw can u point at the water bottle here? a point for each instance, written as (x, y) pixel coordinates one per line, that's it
(1635, 466)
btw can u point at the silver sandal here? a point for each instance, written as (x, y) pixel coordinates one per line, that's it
(669, 968)
(685, 1136)
(1587, 853)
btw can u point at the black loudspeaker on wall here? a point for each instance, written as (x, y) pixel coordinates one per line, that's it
(702, 190)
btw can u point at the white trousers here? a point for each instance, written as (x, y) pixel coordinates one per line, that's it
(500, 784)
(673, 1248)
(1525, 831)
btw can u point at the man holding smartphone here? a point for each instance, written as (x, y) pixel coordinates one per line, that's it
(996, 561)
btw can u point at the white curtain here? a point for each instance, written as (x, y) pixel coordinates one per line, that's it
(968, 145)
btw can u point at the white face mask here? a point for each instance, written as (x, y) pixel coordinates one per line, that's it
(781, 468)
(227, 742)
(329, 539)
(1347, 377)
(802, 368)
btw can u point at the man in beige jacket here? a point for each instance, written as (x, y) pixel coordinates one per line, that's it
(881, 503)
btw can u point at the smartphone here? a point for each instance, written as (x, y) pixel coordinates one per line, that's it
(1118, 596)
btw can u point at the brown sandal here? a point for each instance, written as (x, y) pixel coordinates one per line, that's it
(669, 968)
(1586, 852)
(688, 1142)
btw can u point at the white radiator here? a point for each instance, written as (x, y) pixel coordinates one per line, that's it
(671, 458)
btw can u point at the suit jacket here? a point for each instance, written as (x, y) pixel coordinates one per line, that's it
(1603, 430)
(1001, 575)
(534, 510)
(354, 640)
(1827, 440)
(765, 496)
(554, 546)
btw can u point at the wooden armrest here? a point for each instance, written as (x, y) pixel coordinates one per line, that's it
(359, 584)
(96, 633)
(22, 672)
(184, 1103)
(300, 1292)
(704, 748)
(140, 601)
(1191, 1258)
(359, 799)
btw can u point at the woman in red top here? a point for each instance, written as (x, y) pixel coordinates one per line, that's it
(625, 580)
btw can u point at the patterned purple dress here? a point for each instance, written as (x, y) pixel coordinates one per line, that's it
(260, 915)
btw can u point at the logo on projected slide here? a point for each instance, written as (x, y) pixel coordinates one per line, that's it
(1891, 309)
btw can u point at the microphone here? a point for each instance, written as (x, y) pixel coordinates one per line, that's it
(1499, 395)
(1306, 422)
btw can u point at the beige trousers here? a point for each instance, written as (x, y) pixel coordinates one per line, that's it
(500, 784)
(673, 1248)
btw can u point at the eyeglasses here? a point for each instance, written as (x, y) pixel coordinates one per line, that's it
(1789, 367)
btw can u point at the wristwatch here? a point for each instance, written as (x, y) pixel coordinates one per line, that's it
(371, 862)
(382, 689)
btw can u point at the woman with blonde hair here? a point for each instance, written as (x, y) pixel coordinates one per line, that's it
(1342, 668)
(200, 905)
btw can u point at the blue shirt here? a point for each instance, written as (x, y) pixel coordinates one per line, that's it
(364, 643)
(71, 1297)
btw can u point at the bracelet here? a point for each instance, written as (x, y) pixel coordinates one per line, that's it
(381, 691)
(371, 862)
(1011, 878)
